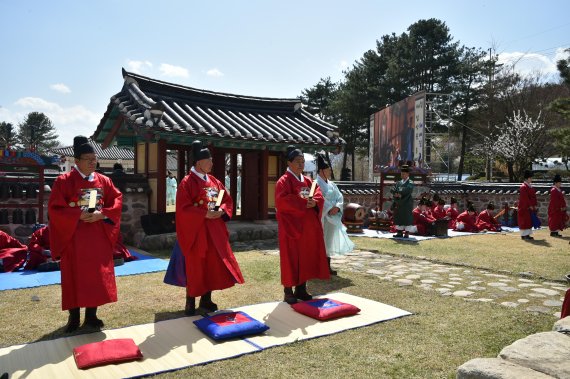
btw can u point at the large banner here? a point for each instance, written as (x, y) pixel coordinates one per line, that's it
(398, 133)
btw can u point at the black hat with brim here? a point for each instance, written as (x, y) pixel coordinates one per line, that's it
(557, 179)
(528, 174)
(405, 168)
(293, 152)
(81, 145)
(322, 162)
(199, 152)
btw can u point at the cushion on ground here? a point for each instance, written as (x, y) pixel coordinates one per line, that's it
(229, 325)
(106, 352)
(325, 309)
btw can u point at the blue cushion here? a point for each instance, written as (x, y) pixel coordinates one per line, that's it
(229, 325)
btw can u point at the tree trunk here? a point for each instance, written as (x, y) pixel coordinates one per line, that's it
(511, 171)
(352, 172)
(462, 155)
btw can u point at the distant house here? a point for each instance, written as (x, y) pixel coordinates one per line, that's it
(549, 164)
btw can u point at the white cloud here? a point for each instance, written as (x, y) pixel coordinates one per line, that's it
(173, 71)
(60, 87)
(528, 63)
(69, 122)
(214, 72)
(342, 65)
(138, 67)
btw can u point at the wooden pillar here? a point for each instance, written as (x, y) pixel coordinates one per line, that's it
(219, 169)
(264, 178)
(181, 169)
(233, 180)
(161, 177)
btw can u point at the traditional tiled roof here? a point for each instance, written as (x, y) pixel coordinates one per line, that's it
(110, 153)
(191, 113)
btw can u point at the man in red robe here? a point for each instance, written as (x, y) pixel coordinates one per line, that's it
(438, 212)
(467, 221)
(12, 253)
(423, 220)
(557, 215)
(486, 220)
(527, 206)
(202, 233)
(84, 216)
(452, 212)
(301, 242)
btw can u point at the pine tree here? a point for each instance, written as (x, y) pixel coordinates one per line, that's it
(37, 133)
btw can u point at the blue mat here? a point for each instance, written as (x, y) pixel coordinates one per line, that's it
(33, 278)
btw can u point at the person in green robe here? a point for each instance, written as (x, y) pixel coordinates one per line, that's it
(403, 204)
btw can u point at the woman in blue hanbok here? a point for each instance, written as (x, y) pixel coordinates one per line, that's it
(336, 239)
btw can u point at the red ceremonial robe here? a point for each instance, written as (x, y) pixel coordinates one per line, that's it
(85, 249)
(422, 221)
(39, 241)
(486, 221)
(205, 243)
(301, 242)
(452, 213)
(527, 204)
(12, 252)
(438, 212)
(469, 221)
(557, 216)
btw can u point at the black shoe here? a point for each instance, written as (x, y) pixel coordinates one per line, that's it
(119, 261)
(190, 308)
(398, 235)
(331, 271)
(206, 302)
(289, 298)
(48, 266)
(93, 322)
(555, 234)
(91, 319)
(528, 238)
(72, 321)
(301, 292)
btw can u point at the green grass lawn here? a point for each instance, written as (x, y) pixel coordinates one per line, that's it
(443, 333)
(545, 257)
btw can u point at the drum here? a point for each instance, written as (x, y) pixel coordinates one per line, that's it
(441, 227)
(354, 212)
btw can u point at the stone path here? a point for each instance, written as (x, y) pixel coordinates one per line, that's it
(470, 284)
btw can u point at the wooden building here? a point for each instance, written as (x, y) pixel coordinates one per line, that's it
(156, 117)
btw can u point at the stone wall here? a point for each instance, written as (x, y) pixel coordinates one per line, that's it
(480, 194)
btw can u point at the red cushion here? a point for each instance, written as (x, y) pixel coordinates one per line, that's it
(325, 309)
(105, 352)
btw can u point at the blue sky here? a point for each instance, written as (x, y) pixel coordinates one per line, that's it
(64, 57)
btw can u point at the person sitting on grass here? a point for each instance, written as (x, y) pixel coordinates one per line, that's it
(423, 220)
(467, 221)
(486, 221)
(12, 253)
(439, 212)
(452, 212)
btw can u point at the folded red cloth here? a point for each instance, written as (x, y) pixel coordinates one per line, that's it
(105, 352)
(566, 305)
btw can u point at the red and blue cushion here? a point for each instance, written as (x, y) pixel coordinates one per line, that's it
(229, 325)
(325, 309)
(106, 352)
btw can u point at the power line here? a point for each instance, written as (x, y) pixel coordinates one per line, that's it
(537, 33)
